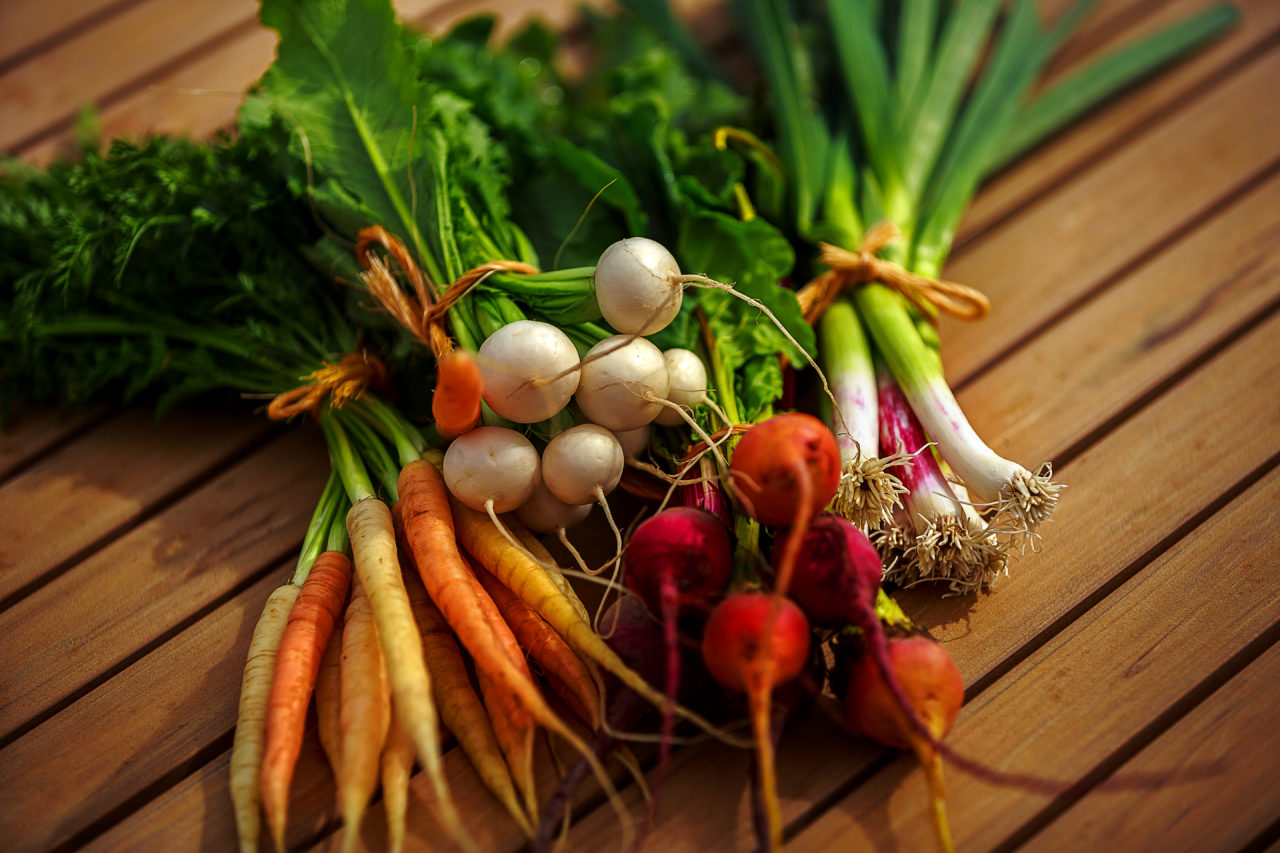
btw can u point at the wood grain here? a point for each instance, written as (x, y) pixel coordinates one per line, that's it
(126, 595)
(50, 88)
(1197, 770)
(1071, 379)
(1071, 241)
(26, 24)
(124, 735)
(1081, 146)
(34, 432)
(104, 479)
(1092, 688)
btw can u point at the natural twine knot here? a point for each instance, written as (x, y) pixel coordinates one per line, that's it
(849, 269)
(339, 382)
(421, 312)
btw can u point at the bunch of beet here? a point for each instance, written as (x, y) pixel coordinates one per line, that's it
(757, 621)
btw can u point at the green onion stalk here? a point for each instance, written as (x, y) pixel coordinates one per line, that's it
(933, 102)
(869, 492)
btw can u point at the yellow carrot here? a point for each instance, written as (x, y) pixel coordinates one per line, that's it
(365, 714)
(251, 719)
(397, 767)
(534, 585)
(374, 545)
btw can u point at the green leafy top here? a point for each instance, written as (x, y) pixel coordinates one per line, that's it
(165, 268)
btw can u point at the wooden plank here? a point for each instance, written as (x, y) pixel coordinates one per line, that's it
(1215, 762)
(123, 597)
(102, 480)
(200, 95)
(34, 431)
(1080, 556)
(1058, 250)
(1080, 147)
(115, 741)
(47, 91)
(32, 24)
(1073, 703)
(1068, 381)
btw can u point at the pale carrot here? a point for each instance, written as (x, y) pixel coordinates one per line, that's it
(306, 634)
(455, 407)
(397, 768)
(251, 719)
(365, 714)
(460, 706)
(428, 526)
(535, 547)
(374, 545)
(329, 702)
(563, 669)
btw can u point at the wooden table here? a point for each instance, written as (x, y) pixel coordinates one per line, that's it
(1134, 265)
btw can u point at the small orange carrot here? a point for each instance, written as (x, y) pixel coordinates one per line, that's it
(512, 723)
(365, 714)
(329, 702)
(251, 720)
(310, 624)
(374, 545)
(397, 768)
(563, 668)
(455, 407)
(460, 706)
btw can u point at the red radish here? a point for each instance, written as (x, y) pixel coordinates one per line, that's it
(934, 690)
(680, 557)
(752, 642)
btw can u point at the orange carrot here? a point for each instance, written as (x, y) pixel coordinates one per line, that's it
(428, 524)
(365, 713)
(329, 702)
(460, 707)
(310, 623)
(512, 723)
(397, 767)
(374, 545)
(456, 404)
(562, 667)
(251, 720)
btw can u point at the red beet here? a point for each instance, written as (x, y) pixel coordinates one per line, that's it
(786, 466)
(684, 547)
(837, 573)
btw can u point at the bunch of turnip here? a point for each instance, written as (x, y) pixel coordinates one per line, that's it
(530, 372)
